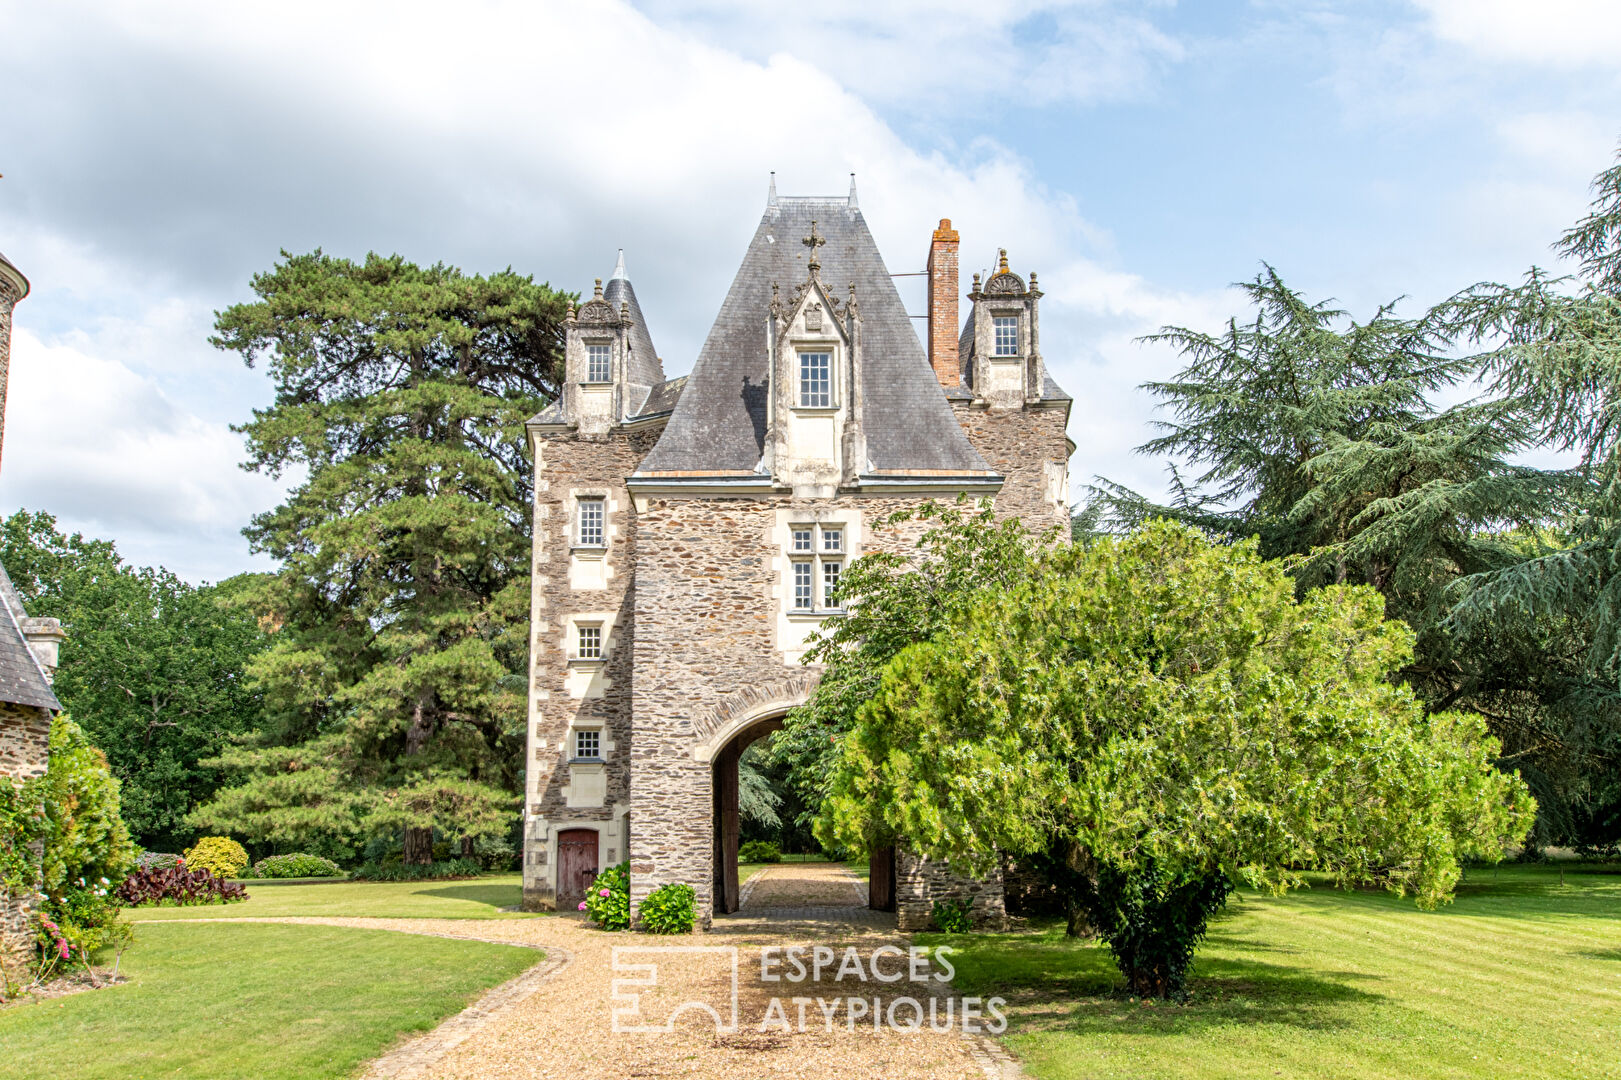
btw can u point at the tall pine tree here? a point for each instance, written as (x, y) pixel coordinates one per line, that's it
(394, 687)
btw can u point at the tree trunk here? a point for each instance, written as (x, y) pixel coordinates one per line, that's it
(467, 847)
(419, 846)
(1078, 925)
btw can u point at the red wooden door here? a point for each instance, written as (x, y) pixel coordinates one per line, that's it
(576, 865)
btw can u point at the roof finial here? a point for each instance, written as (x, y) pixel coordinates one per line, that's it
(1001, 261)
(853, 203)
(597, 295)
(619, 268)
(813, 242)
(771, 195)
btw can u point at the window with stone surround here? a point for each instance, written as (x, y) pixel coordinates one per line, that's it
(1006, 329)
(588, 744)
(815, 380)
(597, 369)
(816, 562)
(591, 528)
(588, 644)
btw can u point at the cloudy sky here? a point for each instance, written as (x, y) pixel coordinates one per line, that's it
(1138, 155)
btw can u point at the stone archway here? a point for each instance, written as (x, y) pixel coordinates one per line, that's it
(721, 734)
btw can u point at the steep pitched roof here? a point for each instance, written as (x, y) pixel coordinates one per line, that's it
(22, 680)
(645, 368)
(719, 424)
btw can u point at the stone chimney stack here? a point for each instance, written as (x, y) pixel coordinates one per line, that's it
(13, 287)
(943, 293)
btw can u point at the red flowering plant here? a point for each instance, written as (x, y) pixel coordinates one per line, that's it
(607, 902)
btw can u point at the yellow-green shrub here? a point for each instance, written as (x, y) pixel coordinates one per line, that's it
(218, 855)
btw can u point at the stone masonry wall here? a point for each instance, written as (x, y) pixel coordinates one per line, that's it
(706, 609)
(920, 882)
(24, 748)
(1029, 449)
(569, 464)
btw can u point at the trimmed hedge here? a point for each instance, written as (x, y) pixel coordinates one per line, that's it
(759, 851)
(296, 866)
(448, 870)
(218, 855)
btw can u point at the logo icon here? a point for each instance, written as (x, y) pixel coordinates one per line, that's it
(639, 966)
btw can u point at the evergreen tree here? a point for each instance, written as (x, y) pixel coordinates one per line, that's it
(395, 685)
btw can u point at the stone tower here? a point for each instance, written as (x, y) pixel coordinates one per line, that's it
(28, 649)
(690, 535)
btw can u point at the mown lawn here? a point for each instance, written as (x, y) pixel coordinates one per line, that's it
(1521, 977)
(480, 898)
(257, 1002)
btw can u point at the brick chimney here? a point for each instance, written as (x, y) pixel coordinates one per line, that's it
(943, 322)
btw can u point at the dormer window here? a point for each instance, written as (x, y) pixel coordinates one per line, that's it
(1007, 335)
(815, 380)
(597, 369)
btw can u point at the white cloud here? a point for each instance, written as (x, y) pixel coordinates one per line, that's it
(108, 452)
(186, 142)
(1561, 33)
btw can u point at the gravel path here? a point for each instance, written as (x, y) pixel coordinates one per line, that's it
(558, 1018)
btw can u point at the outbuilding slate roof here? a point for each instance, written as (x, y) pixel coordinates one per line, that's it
(719, 424)
(22, 680)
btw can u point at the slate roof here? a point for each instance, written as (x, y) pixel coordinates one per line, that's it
(22, 680)
(719, 424)
(645, 368)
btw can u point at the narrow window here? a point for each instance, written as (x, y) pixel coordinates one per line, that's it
(1007, 334)
(588, 744)
(830, 581)
(596, 364)
(815, 380)
(590, 643)
(802, 539)
(832, 539)
(804, 598)
(592, 513)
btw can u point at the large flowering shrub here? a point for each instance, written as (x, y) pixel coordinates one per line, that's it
(607, 902)
(86, 849)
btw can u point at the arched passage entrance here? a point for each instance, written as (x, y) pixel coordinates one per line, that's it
(723, 733)
(726, 810)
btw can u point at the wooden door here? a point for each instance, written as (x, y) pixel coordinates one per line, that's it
(881, 879)
(576, 866)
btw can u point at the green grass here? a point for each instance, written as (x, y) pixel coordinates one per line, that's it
(481, 898)
(1521, 977)
(258, 1002)
(749, 869)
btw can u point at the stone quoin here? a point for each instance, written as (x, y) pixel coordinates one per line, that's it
(688, 532)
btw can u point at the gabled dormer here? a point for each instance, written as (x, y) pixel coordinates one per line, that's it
(1004, 353)
(815, 443)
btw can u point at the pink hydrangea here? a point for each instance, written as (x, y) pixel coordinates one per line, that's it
(603, 892)
(582, 905)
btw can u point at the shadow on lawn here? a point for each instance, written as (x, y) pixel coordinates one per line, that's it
(1054, 983)
(496, 896)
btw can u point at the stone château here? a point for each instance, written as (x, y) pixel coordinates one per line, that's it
(690, 532)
